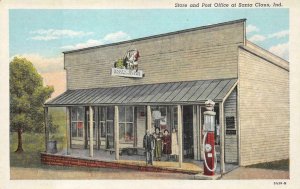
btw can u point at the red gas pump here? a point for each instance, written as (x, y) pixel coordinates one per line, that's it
(210, 158)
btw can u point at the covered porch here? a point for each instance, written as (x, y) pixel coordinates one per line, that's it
(95, 117)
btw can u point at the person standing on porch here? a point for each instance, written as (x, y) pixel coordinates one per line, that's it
(166, 143)
(149, 145)
(174, 144)
(158, 144)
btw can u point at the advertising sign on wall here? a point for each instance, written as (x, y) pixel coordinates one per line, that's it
(128, 66)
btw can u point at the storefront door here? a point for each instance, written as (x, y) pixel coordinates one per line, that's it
(188, 140)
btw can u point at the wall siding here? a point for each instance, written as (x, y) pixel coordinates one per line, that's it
(263, 110)
(230, 108)
(209, 53)
(141, 125)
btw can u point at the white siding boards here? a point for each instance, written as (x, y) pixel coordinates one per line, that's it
(231, 147)
(263, 106)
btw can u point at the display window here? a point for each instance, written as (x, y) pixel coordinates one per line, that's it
(160, 117)
(126, 122)
(77, 123)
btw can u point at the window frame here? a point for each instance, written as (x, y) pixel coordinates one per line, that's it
(76, 121)
(126, 122)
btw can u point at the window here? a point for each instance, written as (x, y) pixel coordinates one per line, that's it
(77, 120)
(159, 117)
(126, 123)
(230, 125)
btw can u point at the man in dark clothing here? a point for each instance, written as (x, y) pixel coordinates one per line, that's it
(148, 144)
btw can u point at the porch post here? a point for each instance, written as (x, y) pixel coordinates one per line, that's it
(91, 131)
(222, 167)
(179, 120)
(116, 134)
(46, 128)
(68, 130)
(195, 132)
(149, 119)
(200, 133)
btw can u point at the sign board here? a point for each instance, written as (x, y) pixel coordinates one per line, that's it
(230, 132)
(126, 73)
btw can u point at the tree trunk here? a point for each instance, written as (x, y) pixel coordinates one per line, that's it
(20, 148)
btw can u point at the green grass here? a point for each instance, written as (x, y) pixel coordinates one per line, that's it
(275, 165)
(33, 145)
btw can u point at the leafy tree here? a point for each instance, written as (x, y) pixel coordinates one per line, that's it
(27, 96)
(53, 128)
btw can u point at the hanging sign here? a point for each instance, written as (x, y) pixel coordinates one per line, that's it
(128, 66)
(156, 115)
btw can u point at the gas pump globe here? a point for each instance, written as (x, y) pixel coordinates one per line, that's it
(210, 159)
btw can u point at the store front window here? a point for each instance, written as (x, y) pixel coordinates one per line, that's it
(126, 124)
(77, 125)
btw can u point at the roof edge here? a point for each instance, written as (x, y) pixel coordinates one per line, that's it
(229, 78)
(50, 103)
(265, 50)
(265, 58)
(159, 35)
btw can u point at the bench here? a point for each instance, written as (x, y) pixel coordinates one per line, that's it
(128, 150)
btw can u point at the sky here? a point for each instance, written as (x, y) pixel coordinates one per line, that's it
(41, 35)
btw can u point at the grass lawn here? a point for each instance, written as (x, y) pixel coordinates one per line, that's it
(33, 144)
(275, 165)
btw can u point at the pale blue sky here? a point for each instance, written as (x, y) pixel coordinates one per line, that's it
(94, 25)
(42, 35)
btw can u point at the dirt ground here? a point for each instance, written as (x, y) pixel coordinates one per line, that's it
(255, 173)
(39, 173)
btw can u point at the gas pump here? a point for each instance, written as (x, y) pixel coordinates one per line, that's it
(210, 157)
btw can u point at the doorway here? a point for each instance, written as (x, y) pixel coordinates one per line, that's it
(188, 138)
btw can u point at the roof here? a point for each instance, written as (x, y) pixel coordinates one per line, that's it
(160, 93)
(159, 35)
(266, 55)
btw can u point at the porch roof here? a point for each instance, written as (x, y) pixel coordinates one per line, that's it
(160, 93)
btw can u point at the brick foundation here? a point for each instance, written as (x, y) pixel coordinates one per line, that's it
(60, 160)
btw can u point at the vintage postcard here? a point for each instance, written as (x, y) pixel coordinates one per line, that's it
(173, 93)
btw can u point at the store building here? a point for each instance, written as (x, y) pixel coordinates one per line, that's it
(177, 72)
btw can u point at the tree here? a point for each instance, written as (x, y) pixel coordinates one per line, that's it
(27, 96)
